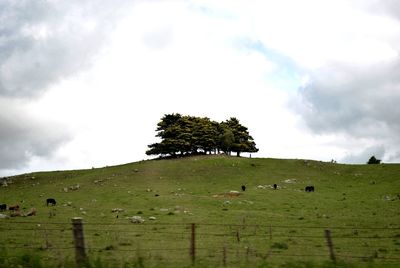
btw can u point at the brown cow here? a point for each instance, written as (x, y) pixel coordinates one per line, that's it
(31, 212)
(14, 208)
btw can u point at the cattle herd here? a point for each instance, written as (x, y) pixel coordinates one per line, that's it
(15, 210)
(309, 188)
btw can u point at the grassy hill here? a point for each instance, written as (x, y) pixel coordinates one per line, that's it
(360, 204)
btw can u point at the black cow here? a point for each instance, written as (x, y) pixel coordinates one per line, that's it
(51, 201)
(243, 188)
(275, 186)
(3, 207)
(309, 188)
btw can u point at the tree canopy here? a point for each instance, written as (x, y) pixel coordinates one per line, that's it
(373, 160)
(187, 135)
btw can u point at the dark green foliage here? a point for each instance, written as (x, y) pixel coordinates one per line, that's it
(242, 142)
(373, 160)
(188, 135)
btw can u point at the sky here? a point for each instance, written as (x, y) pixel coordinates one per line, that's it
(83, 83)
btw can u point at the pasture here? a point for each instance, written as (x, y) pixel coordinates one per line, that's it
(259, 227)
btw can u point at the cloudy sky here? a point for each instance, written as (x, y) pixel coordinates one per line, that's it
(83, 83)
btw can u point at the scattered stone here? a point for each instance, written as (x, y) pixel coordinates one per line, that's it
(136, 219)
(233, 193)
(152, 218)
(117, 210)
(74, 187)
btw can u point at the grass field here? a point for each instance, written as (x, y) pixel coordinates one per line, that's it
(261, 227)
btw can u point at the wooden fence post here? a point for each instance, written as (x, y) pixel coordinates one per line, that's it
(193, 243)
(330, 245)
(224, 255)
(270, 232)
(80, 254)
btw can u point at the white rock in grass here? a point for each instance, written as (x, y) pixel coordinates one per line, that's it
(136, 219)
(152, 218)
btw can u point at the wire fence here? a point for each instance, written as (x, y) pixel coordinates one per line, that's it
(220, 244)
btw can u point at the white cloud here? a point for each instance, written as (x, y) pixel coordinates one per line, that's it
(106, 74)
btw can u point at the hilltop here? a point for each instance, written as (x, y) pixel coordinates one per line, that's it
(194, 181)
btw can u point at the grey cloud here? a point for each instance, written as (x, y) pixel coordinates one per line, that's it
(345, 98)
(386, 7)
(362, 102)
(23, 136)
(44, 41)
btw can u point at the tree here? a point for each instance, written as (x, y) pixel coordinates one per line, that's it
(226, 140)
(243, 142)
(186, 135)
(168, 131)
(373, 160)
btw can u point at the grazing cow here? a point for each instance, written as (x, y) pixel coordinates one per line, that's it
(51, 201)
(3, 207)
(309, 189)
(243, 188)
(275, 186)
(14, 208)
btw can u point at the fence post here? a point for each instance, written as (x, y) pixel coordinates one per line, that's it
(270, 232)
(330, 245)
(80, 254)
(193, 243)
(224, 255)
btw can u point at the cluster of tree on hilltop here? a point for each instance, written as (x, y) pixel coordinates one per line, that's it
(187, 135)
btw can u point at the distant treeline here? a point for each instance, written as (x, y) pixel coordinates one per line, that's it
(187, 135)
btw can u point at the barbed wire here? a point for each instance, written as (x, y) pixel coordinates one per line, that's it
(245, 225)
(242, 233)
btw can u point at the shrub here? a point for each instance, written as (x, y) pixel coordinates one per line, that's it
(373, 160)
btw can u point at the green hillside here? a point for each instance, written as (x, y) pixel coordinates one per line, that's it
(260, 226)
